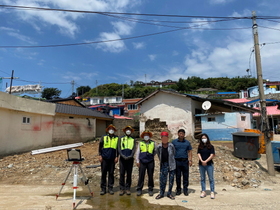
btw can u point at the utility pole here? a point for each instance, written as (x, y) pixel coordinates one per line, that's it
(73, 84)
(11, 82)
(264, 118)
(96, 88)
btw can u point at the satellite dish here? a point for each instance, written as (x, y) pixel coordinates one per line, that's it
(206, 105)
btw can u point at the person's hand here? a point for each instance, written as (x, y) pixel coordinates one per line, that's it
(116, 159)
(138, 165)
(100, 159)
(204, 163)
(190, 163)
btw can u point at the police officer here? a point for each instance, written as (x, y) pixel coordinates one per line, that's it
(126, 149)
(145, 153)
(108, 157)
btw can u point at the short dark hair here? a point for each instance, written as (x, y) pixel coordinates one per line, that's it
(181, 130)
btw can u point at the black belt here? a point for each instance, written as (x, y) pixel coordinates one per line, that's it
(181, 159)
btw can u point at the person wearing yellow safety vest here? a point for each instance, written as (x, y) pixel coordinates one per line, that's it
(145, 153)
(108, 157)
(126, 149)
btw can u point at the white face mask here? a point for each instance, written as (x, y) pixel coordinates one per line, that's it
(111, 131)
(128, 132)
(146, 138)
(204, 140)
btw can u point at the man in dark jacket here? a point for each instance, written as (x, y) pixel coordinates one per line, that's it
(166, 154)
(108, 157)
(126, 149)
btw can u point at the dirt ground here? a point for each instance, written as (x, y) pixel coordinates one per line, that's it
(28, 181)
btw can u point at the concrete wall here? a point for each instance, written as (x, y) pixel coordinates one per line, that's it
(68, 130)
(224, 125)
(101, 126)
(175, 110)
(17, 136)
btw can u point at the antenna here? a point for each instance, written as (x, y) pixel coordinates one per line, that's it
(206, 105)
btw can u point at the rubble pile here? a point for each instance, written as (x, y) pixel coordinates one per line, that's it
(52, 167)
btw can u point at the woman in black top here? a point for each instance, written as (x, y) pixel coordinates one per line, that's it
(206, 152)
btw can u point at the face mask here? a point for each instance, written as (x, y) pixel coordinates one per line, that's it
(146, 138)
(128, 132)
(204, 140)
(111, 131)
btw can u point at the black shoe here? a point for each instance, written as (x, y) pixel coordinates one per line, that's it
(111, 192)
(102, 192)
(186, 193)
(151, 193)
(128, 192)
(139, 192)
(171, 197)
(159, 196)
(121, 192)
(178, 192)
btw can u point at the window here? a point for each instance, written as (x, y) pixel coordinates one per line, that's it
(132, 107)
(26, 120)
(211, 119)
(119, 99)
(243, 118)
(95, 101)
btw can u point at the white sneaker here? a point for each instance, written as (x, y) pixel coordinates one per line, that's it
(203, 194)
(212, 195)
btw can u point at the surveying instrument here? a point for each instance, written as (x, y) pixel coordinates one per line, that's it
(74, 155)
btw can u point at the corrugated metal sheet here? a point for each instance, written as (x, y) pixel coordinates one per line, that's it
(76, 110)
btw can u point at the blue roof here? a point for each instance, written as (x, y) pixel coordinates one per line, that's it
(268, 100)
(226, 92)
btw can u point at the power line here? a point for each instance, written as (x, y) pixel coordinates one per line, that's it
(121, 13)
(121, 39)
(58, 83)
(277, 29)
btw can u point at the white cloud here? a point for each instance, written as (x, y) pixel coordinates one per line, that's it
(78, 76)
(152, 57)
(220, 1)
(138, 45)
(121, 28)
(175, 53)
(65, 21)
(15, 33)
(198, 23)
(115, 46)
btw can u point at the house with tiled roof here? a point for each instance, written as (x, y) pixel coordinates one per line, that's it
(183, 111)
(31, 124)
(272, 110)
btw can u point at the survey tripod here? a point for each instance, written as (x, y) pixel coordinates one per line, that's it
(76, 165)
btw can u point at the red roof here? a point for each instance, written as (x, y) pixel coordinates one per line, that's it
(122, 117)
(271, 110)
(237, 100)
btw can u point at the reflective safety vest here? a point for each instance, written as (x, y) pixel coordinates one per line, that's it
(110, 142)
(127, 144)
(109, 150)
(146, 151)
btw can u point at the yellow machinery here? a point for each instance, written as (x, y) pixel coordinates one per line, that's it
(261, 139)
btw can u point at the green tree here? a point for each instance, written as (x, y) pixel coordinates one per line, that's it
(50, 93)
(82, 90)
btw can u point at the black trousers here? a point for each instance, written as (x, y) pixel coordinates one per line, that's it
(126, 167)
(182, 168)
(107, 168)
(149, 167)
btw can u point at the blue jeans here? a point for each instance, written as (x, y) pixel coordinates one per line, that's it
(163, 179)
(210, 172)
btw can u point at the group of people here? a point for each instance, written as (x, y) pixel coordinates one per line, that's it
(175, 158)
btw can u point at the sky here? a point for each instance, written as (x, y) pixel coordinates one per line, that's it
(154, 40)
